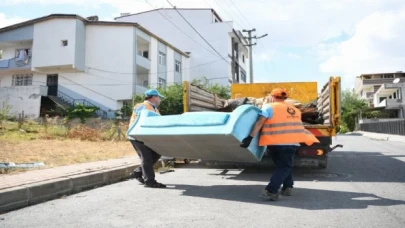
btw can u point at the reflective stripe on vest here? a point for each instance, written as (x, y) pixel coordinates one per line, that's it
(147, 105)
(285, 127)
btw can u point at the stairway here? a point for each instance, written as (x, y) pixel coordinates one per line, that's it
(65, 101)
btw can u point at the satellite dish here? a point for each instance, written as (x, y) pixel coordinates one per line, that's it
(396, 80)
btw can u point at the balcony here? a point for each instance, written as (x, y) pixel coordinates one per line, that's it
(143, 52)
(391, 103)
(143, 62)
(142, 80)
(8, 65)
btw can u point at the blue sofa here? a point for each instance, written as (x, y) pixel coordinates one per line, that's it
(211, 136)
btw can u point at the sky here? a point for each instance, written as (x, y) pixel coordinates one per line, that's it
(308, 40)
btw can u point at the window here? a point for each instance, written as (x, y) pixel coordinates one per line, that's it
(178, 67)
(64, 43)
(22, 80)
(162, 58)
(144, 54)
(243, 76)
(161, 82)
(22, 53)
(243, 58)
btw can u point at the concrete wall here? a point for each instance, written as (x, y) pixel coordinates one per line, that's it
(19, 34)
(80, 47)
(217, 34)
(48, 50)
(22, 98)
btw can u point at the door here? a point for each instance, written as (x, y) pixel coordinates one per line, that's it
(52, 83)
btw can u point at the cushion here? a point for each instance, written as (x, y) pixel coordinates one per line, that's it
(190, 119)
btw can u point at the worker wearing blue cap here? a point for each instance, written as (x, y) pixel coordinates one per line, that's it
(145, 174)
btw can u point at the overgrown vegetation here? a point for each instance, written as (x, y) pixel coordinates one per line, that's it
(173, 102)
(351, 105)
(4, 113)
(221, 91)
(82, 112)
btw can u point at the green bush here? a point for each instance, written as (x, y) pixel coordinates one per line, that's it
(82, 112)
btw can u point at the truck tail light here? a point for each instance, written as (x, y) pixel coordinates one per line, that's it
(310, 152)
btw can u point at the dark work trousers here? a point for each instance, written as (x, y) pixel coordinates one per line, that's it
(148, 158)
(283, 157)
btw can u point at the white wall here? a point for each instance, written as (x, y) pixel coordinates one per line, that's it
(47, 47)
(22, 98)
(110, 66)
(170, 66)
(217, 34)
(154, 62)
(185, 62)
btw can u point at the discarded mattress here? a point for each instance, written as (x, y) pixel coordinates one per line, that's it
(208, 136)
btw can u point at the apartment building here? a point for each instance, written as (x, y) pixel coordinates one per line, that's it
(383, 90)
(228, 42)
(70, 59)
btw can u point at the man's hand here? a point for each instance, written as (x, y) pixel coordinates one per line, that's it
(246, 142)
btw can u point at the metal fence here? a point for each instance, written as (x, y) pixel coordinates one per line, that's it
(392, 127)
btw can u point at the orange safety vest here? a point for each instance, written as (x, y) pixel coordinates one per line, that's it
(148, 106)
(285, 127)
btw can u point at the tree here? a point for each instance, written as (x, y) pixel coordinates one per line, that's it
(220, 90)
(173, 102)
(351, 105)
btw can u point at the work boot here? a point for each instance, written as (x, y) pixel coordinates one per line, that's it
(269, 196)
(154, 184)
(138, 176)
(287, 191)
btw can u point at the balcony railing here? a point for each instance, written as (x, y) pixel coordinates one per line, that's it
(378, 81)
(13, 64)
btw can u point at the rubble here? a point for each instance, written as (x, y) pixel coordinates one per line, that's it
(309, 111)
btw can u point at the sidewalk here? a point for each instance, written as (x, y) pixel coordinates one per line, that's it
(378, 136)
(31, 187)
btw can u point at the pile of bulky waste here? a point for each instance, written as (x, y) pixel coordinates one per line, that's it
(309, 112)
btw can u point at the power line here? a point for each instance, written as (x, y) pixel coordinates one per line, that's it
(180, 29)
(203, 64)
(197, 32)
(248, 22)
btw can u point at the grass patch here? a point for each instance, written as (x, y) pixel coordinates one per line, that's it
(58, 145)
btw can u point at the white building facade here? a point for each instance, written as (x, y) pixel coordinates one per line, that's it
(225, 67)
(383, 90)
(69, 58)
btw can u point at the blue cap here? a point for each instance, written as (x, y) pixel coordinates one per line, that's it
(153, 92)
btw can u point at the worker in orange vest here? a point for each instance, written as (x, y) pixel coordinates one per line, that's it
(282, 131)
(148, 156)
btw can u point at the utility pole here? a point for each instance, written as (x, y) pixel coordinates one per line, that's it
(250, 45)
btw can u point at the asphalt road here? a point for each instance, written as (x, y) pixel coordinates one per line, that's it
(364, 186)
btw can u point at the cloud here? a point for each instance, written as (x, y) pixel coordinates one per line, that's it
(376, 46)
(6, 21)
(294, 56)
(262, 57)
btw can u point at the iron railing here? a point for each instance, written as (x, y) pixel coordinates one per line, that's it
(396, 127)
(67, 100)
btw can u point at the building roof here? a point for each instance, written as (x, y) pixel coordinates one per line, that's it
(397, 72)
(90, 22)
(211, 9)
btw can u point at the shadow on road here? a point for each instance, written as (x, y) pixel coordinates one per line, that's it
(308, 199)
(344, 166)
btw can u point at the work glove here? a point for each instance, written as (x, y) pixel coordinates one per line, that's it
(246, 142)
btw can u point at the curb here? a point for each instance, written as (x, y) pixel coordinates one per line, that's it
(31, 194)
(381, 137)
